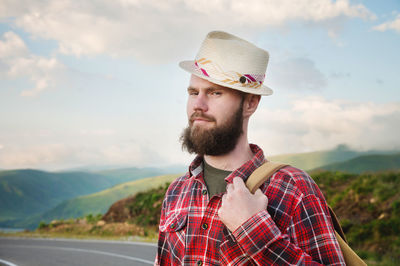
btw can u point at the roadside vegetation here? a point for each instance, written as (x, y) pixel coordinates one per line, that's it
(90, 227)
(133, 217)
(368, 207)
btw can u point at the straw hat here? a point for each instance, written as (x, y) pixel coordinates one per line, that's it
(232, 62)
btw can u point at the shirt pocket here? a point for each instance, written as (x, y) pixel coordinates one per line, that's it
(174, 222)
(174, 227)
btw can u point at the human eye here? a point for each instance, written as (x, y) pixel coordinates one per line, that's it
(216, 93)
(192, 92)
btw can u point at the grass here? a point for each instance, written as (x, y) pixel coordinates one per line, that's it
(368, 206)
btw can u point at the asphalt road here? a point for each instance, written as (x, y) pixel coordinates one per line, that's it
(60, 252)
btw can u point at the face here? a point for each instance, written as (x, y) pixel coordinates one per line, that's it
(215, 115)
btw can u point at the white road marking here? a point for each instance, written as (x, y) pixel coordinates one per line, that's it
(7, 263)
(87, 251)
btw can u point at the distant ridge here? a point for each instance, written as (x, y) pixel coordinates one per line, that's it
(311, 160)
(366, 163)
(95, 203)
(28, 192)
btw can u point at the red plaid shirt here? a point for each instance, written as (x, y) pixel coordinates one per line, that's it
(295, 229)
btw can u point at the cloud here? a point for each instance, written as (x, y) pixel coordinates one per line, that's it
(98, 132)
(390, 25)
(13, 157)
(297, 74)
(315, 123)
(58, 148)
(340, 75)
(155, 31)
(55, 156)
(12, 46)
(17, 62)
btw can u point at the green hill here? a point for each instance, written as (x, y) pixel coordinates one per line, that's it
(312, 160)
(26, 192)
(95, 203)
(368, 206)
(367, 163)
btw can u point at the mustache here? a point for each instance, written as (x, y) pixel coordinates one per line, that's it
(201, 115)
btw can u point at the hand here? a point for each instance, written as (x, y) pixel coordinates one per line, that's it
(238, 204)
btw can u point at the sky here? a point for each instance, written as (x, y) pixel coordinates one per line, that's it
(92, 83)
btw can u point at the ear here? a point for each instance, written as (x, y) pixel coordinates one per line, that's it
(250, 104)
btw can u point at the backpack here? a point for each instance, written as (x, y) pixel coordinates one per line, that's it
(265, 171)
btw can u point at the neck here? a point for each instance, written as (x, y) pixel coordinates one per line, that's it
(235, 158)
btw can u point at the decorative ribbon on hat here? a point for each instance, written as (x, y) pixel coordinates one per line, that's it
(212, 70)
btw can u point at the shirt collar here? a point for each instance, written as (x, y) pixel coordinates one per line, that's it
(244, 171)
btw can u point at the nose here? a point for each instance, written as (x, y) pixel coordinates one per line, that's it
(200, 103)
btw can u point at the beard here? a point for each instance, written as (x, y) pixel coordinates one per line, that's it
(218, 140)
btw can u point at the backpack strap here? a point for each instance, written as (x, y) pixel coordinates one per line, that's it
(262, 174)
(265, 171)
(350, 257)
(336, 224)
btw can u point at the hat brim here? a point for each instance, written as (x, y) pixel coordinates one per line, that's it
(190, 67)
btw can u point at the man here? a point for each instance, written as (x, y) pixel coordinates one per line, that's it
(208, 216)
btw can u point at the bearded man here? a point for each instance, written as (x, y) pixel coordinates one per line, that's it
(209, 217)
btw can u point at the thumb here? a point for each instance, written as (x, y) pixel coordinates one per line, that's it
(258, 193)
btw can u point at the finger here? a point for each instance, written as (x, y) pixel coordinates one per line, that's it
(260, 195)
(238, 183)
(229, 188)
(258, 192)
(223, 199)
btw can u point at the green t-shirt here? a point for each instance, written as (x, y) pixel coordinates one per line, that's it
(214, 179)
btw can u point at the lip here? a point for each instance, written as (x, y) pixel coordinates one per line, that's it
(201, 120)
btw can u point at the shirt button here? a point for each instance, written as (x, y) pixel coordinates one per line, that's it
(172, 226)
(204, 192)
(199, 263)
(204, 226)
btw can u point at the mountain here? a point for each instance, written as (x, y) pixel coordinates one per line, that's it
(25, 192)
(95, 203)
(28, 192)
(312, 160)
(366, 163)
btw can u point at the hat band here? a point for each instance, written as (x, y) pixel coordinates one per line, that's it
(212, 70)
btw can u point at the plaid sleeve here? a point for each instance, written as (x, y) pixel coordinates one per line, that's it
(310, 239)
